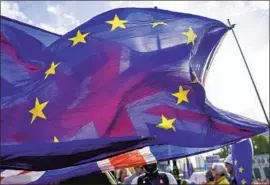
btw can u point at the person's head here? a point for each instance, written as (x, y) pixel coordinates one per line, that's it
(185, 182)
(218, 170)
(138, 170)
(209, 176)
(150, 168)
(229, 164)
(122, 174)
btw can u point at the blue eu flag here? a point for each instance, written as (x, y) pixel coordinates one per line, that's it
(126, 79)
(242, 154)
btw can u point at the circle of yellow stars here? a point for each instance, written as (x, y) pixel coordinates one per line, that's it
(116, 22)
(241, 170)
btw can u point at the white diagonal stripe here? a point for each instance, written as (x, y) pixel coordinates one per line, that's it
(147, 155)
(8, 173)
(23, 178)
(105, 165)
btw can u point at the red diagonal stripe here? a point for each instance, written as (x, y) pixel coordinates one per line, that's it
(185, 115)
(20, 173)
(24, 172)
(127, 159)
(9, 49)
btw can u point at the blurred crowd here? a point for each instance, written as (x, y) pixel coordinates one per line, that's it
(221, 173)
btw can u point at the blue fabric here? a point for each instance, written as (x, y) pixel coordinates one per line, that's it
(108, 93)
(242, 154)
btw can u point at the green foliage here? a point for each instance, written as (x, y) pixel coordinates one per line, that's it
(224, 152)
(261, 144)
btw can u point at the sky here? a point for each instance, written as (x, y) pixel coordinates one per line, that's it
(228, 85)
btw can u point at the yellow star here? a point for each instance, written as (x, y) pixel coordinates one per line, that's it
(51, 70)
(241, 169)
(243, 181)
(181, 95)
(37, 110)
(195, 78)
(116, 22)
(78, 38)
(166, 123)
(55, 140)
(191, 36)
(154, 24)
(235, 162)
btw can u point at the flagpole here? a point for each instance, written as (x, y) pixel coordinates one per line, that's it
(254, 85)
(158, 39)
(187, 168)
